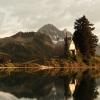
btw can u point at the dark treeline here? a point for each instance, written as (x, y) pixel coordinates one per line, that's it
(84, 38)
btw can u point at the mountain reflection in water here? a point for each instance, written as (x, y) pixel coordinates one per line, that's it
(8, 96)
(53, 89)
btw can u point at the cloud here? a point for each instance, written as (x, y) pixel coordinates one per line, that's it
(28, 15)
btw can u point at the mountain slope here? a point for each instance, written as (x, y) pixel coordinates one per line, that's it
(28, 45)
(23, 46)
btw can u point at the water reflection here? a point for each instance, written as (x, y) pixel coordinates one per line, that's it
(87, 88)
(8, 96)
(48, 88)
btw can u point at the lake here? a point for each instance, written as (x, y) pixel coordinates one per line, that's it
(8, 96)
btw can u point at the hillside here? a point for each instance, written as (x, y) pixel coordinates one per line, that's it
(25, 46)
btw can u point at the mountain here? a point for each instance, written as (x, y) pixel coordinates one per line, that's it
(26, 45)
(54, 33)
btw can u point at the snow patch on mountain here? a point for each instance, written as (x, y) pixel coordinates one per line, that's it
(54, 33)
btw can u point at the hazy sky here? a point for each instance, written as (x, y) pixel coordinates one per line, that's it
(30, 15)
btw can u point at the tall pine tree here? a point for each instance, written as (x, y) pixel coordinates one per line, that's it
(84, 38)
(66, 47)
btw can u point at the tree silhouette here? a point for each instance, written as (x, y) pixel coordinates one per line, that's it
(87, 88)
(84, 39)
(66, 47)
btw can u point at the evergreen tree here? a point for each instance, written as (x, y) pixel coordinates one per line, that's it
(84, 39)
(66, 47)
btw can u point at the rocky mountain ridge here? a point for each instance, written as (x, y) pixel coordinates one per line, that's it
(24, 46)
(54, 33)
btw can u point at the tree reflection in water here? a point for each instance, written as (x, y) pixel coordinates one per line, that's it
(87, 88)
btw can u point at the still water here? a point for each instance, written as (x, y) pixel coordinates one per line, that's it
(8, 96)
(98, 98)
(49, 88)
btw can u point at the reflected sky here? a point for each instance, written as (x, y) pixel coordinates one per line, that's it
(8, 96)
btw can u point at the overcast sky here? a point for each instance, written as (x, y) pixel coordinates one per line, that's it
(30, 15)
